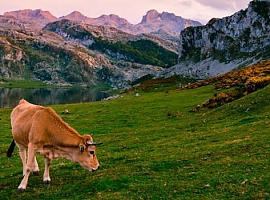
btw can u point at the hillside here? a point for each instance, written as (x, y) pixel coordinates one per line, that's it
(154, 147)
(224, 44)
(71, 51)
(236, 84)
(67, 52)
(116, 43)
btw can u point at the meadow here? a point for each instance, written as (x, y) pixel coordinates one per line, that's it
(155, 147)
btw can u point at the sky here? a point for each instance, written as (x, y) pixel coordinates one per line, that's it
(132, 10)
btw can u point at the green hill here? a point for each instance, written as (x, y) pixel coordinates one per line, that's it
(140, 51)
(155, 148)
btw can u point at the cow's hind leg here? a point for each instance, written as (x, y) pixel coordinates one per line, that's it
(22, 152)
(46, 176)
(36, 168)
(29, 166)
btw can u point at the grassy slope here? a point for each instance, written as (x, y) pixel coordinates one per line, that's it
(23, 84)
(140, 51)
(155, 148)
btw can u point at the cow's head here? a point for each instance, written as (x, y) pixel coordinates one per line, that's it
(86, 154)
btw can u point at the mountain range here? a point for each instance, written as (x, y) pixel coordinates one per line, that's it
(76, 49)
(153, 22)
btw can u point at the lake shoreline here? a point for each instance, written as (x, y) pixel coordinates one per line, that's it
(9, 97)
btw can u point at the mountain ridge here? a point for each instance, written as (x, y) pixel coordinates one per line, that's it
(41, 17)
(174, 24)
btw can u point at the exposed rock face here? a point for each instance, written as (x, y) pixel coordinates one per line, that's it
(8, 23)
(226, 43)
(11, 59)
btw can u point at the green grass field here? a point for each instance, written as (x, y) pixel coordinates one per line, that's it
(155, 148)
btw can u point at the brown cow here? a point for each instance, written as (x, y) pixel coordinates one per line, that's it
(39, 129)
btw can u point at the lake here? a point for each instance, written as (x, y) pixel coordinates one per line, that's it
(9, 97)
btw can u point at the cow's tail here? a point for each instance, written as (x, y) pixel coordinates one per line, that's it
(11, 148)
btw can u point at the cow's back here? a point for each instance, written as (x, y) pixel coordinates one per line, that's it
(22, 118)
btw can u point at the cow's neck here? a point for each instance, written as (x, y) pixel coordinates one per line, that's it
(69, 139)
(65, 145)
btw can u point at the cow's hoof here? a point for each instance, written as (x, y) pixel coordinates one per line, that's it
(20, 190)
(47, 182)
(36, 173)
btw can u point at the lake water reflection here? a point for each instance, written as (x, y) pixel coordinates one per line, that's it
(9, 97)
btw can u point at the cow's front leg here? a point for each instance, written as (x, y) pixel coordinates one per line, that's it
(29, 166)
(46, 176)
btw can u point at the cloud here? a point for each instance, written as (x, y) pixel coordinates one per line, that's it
(223, 4)
(186, 3)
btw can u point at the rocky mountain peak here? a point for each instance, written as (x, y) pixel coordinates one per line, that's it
(150, 16)
(29, 14)
(165, 22)
(153, 16)
(113, 19)
(32, 19)
(75, 16)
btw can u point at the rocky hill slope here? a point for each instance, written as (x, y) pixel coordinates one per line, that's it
(235, 84)
(224, 44)
(67, 52)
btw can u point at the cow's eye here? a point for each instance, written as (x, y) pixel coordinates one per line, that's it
(92, 152)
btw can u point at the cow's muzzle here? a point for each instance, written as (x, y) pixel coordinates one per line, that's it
(95, 169)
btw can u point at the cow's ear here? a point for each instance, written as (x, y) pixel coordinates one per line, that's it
(82, 148)
(87, 139)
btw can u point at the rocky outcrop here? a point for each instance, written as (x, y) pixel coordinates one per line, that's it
(11, 59)
(224, 44)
